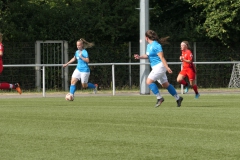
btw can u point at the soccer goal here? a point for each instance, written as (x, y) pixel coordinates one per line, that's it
(235, 77)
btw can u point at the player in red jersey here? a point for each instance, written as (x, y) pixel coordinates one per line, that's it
(4, 85)
(188, 69)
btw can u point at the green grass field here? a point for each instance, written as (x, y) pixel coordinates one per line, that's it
(120, 127)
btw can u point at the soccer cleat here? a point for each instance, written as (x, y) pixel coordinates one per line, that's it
(95, 89)
(18, 89)
(159, 102)
(197, 95)
(186, 89)
(179, 101)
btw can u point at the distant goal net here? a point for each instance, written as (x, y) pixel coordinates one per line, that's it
(235, 77)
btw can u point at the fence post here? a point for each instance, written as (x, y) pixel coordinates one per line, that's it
(43, 81)
(37, 68)
(144, 26)
(113, 79)
(66, 68)
(130, 67)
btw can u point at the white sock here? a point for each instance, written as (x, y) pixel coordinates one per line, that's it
(176, 96)
(10, 86)
(158, 96)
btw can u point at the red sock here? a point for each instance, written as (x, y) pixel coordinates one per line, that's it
(195, 88)
(183, 82)
(4, 86)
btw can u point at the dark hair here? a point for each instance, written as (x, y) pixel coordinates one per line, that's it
(153, 36)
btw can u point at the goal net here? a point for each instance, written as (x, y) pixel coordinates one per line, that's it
(235, 77)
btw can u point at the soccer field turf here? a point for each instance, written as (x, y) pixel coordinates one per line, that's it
(120, 127)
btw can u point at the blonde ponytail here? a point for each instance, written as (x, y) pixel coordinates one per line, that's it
(86, 44)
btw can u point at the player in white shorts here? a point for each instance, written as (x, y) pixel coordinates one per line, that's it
(82, 71)
(159, 67)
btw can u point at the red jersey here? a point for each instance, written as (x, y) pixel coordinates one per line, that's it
(1, 62)
(187, 55)
(1, 49)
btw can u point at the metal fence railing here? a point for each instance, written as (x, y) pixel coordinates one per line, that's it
(113, 65)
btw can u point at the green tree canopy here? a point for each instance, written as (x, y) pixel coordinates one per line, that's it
(221, 19)
(101, 20)
(108, 21)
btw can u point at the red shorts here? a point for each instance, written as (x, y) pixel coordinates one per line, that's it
(188, 72)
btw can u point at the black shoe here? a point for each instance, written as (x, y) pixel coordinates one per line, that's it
(179, 101)
(159, 102)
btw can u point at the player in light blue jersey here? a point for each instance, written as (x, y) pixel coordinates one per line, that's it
(82, 71)
(159, 67)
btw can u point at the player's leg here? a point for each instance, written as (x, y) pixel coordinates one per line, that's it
(16, 86)
(5, 85)
(192, 76)
(154, 88)
(75, 78)
(171, 89)
(181, 80)
(72, 89)
(85, 84)
(195, 88)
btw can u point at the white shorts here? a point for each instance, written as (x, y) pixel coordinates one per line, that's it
(158, 73)
(81, 75)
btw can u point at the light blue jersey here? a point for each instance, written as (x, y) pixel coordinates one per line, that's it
(152, 50)
(82, 66)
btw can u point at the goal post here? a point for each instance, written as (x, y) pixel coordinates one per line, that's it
(52, 52)
(235, 77)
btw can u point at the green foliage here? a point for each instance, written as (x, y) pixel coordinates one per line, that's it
(112, 24)
(101, 21)
(175, 19)
(221, 19)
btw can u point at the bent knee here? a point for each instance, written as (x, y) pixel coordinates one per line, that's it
(179, 79)
(84, 85)
(165, 84)
(149, 81)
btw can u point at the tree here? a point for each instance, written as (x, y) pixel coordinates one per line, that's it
(101, 20)
(176, 19)
(221, 19)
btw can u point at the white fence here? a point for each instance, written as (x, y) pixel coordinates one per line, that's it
(107, 64)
